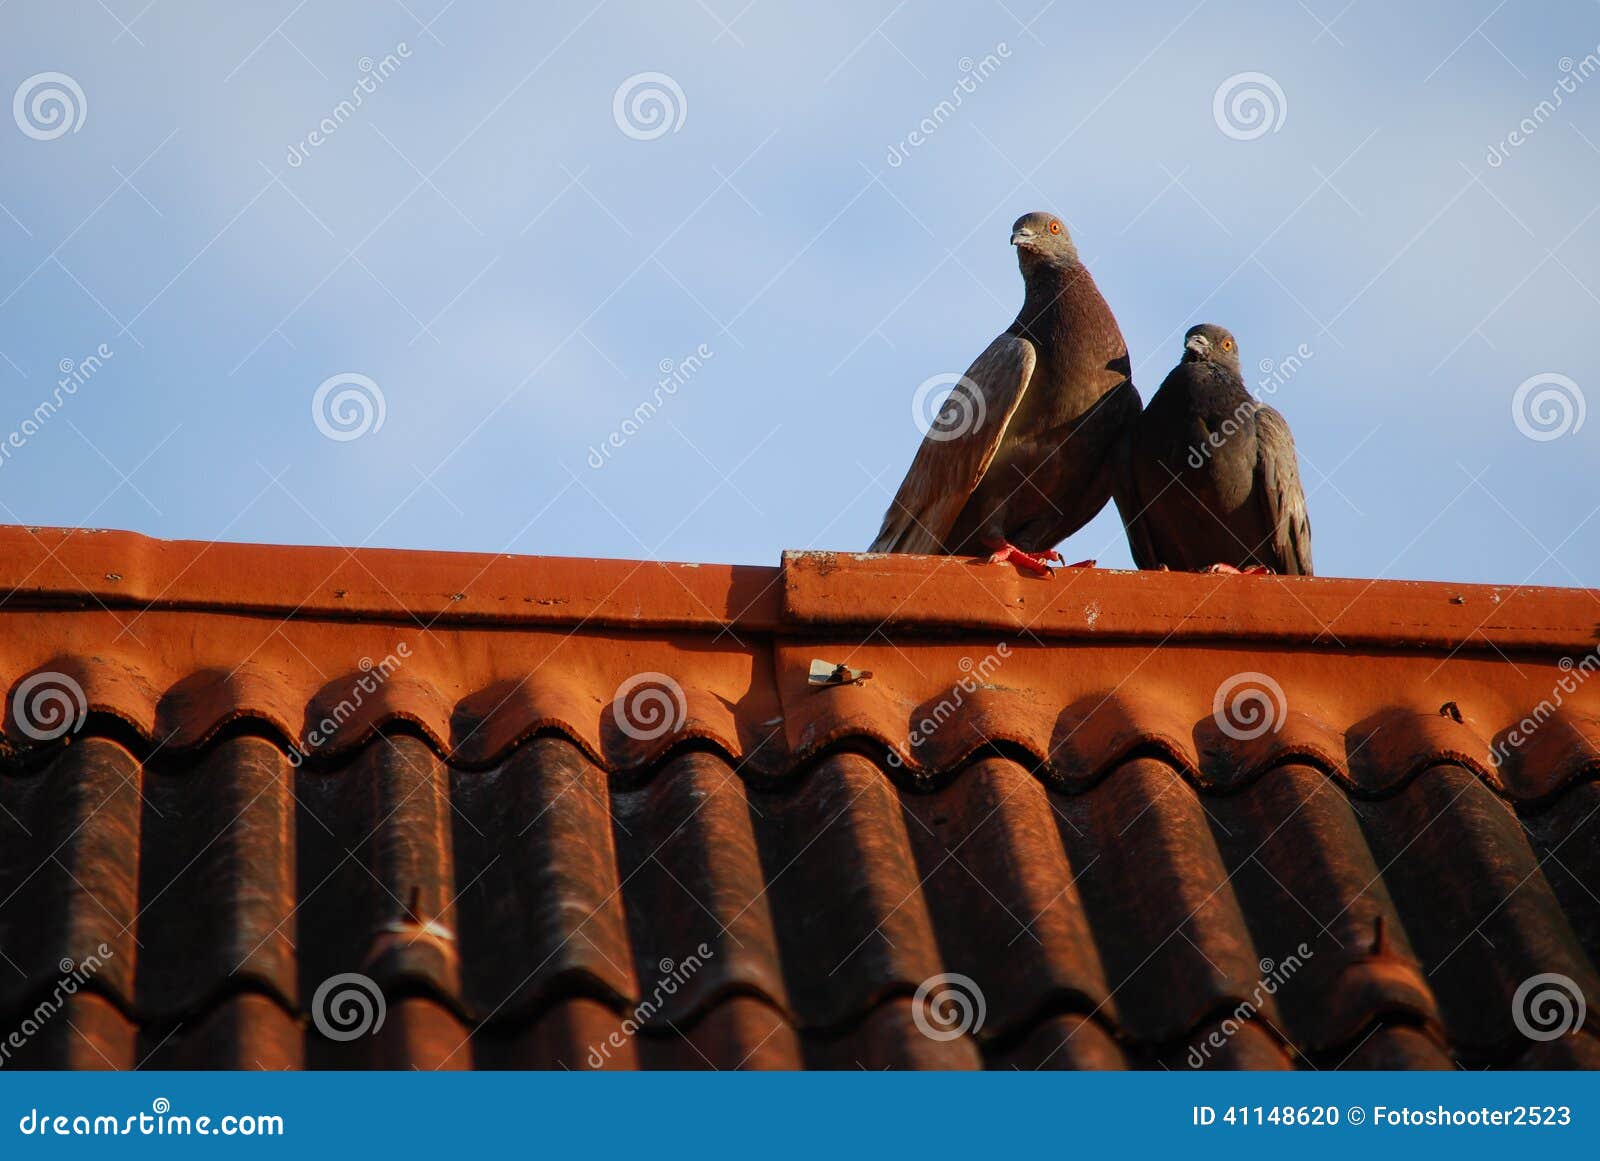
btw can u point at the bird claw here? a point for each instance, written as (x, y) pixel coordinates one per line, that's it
(1036, 563)
(1248, 570)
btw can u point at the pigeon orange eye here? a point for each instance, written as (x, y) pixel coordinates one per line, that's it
(1055, 227)
(1227, 344)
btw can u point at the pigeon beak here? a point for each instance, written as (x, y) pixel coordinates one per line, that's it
(1022, 237)
(1199, 346)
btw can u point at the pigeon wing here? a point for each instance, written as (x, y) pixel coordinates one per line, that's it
(1281, 498)
(1131, 505)
(954, 455)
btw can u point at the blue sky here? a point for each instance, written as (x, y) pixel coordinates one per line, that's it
(509, 264)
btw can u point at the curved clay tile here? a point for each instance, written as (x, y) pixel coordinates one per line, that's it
(854, 781)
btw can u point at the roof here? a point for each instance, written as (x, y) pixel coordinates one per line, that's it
(582, 812)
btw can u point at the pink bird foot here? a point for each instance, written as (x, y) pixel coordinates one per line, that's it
(1248, 570)
(1036, 563)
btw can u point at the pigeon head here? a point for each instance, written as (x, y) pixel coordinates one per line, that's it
(1043, 238)
(1209, 343)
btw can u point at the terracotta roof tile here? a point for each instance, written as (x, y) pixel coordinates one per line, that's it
(299, 763)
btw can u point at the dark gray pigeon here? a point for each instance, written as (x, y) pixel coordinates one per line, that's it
(1208, 478)
(1020, 456)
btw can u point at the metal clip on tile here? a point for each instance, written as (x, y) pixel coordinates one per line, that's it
(827, 673)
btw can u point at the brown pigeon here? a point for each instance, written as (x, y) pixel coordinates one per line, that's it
(1020, 455)
(1208, 478)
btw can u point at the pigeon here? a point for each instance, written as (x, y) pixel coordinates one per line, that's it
(1208, 479)
(1020, 455)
